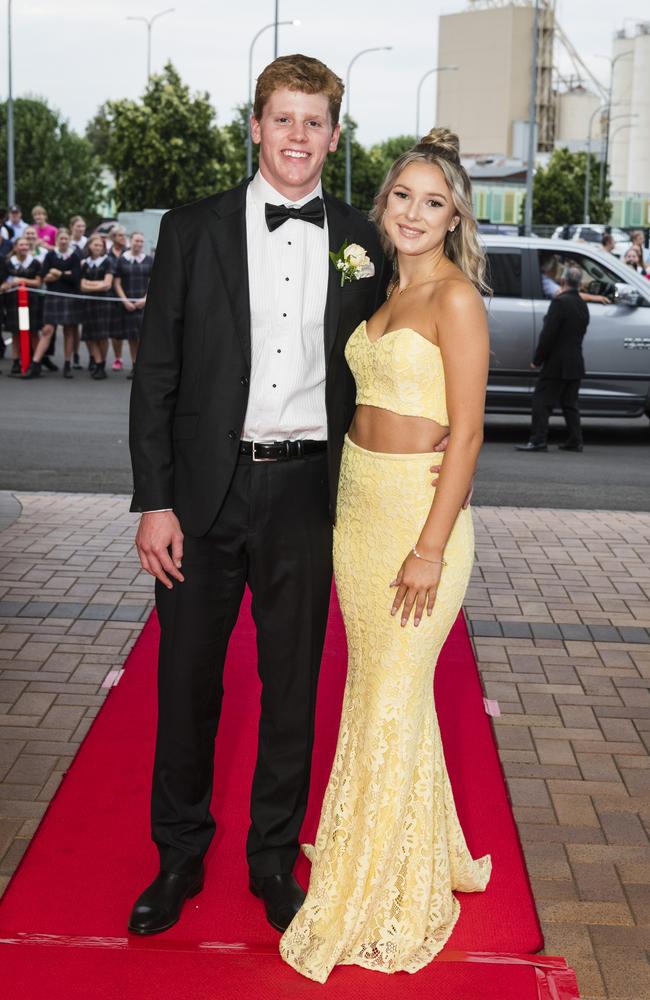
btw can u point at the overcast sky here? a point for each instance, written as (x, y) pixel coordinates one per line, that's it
(79, 53)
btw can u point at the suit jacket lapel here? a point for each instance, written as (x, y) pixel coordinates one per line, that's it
(337, 225)
(227, 228)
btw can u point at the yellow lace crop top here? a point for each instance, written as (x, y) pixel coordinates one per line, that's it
(402, 371)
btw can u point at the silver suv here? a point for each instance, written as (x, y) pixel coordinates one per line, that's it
(616, 346)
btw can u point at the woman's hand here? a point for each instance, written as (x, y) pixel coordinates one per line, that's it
(128, 305)
(417, 584)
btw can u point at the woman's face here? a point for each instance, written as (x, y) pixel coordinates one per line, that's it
(95, 246)
(137, 244)
(31, 237)
(632, 257)
(22, 248)
(420, 210)
(119, 238)
(63, 242)
(39, 216)
(78, 229)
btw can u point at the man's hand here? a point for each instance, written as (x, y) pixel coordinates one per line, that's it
(435, 469)
(159, 531)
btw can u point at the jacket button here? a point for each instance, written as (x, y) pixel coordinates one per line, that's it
(244, 380)
(232, 435)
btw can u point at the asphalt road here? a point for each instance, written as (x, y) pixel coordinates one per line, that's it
(72, 436)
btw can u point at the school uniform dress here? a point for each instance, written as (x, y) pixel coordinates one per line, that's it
(134, 273)
(79, 246)
(97, 311)
(28, 268)
(57, 309)
(116, 310)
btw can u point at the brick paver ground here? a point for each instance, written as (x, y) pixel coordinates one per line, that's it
(560, 614)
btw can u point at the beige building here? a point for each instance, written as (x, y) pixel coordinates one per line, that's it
(486, 101)
(629, 150)
(577, 111)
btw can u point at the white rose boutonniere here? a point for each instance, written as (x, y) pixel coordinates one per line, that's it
(352, 262)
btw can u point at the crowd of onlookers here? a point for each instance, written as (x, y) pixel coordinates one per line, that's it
(93, 287)
(637, 255)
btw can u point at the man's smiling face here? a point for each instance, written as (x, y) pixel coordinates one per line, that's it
(295, 134)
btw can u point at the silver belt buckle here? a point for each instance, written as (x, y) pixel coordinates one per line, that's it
(255, 458)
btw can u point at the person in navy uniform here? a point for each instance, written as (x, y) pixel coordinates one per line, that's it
(97, 270)
(131, 283)
(20, 267)
(61, 272)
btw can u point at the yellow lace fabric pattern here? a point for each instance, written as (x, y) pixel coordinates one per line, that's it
(390, 849)
(401, 371)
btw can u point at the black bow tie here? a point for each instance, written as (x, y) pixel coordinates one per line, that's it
(313, 211)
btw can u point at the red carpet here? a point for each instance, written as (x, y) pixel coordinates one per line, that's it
(92, 854)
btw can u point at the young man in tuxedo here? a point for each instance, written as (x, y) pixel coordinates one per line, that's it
(238, 410)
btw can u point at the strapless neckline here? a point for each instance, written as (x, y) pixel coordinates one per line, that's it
(389, 333)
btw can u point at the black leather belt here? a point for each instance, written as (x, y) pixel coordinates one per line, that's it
(280, 451)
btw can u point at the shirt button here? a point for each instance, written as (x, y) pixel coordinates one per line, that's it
(232, 435)
(279, 351)
(286, 279)
(274, 386)
(285, 315)
(288, 243)
(244, 380)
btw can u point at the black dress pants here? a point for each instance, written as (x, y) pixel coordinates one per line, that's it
(274, 533)
(552, 392)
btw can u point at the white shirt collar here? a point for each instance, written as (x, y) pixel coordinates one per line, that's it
(64, 256)
(264, 192)
(129, 256)
(22, 263)
(95, 262)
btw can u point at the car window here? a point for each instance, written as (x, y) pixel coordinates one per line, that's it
(504, 273)
(597, 278)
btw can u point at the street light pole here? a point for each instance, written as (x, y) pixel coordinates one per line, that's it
(149, 21)
(11, 180)
(275, 30)
(585, 207)
(249, 138)
(436, 69)
(348, 137)
(532, 122)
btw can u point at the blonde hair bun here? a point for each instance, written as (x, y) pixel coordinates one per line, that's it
(445, 141)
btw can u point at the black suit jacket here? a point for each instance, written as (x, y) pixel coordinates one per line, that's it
(190, 391)
(559, 349)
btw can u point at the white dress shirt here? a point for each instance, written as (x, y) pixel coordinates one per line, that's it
(287, 274)
(287, 386)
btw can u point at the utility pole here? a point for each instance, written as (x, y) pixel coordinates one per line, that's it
(532, 121)
(11, 179)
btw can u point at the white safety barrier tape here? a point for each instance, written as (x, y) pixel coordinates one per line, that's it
(74, 295)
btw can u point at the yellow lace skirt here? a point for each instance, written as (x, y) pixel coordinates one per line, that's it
(390, 848)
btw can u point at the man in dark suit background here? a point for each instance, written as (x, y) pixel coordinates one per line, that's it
(559, 355)
(239, 406)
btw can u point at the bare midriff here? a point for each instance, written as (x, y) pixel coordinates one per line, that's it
(381, 430)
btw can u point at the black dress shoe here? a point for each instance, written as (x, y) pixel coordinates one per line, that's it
(529, 446)
(49, 364)
(281, 895)
(160, 905)
(570, 447)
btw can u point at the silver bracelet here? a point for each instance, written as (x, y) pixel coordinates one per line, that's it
(438, 562)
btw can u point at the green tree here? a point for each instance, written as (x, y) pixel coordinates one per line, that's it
(54, 166)
(558, 190)
(366, 171)
(166, 149)
(234, 139)
(385, 153)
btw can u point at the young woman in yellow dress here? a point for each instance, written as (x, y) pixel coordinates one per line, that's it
(390, 849)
